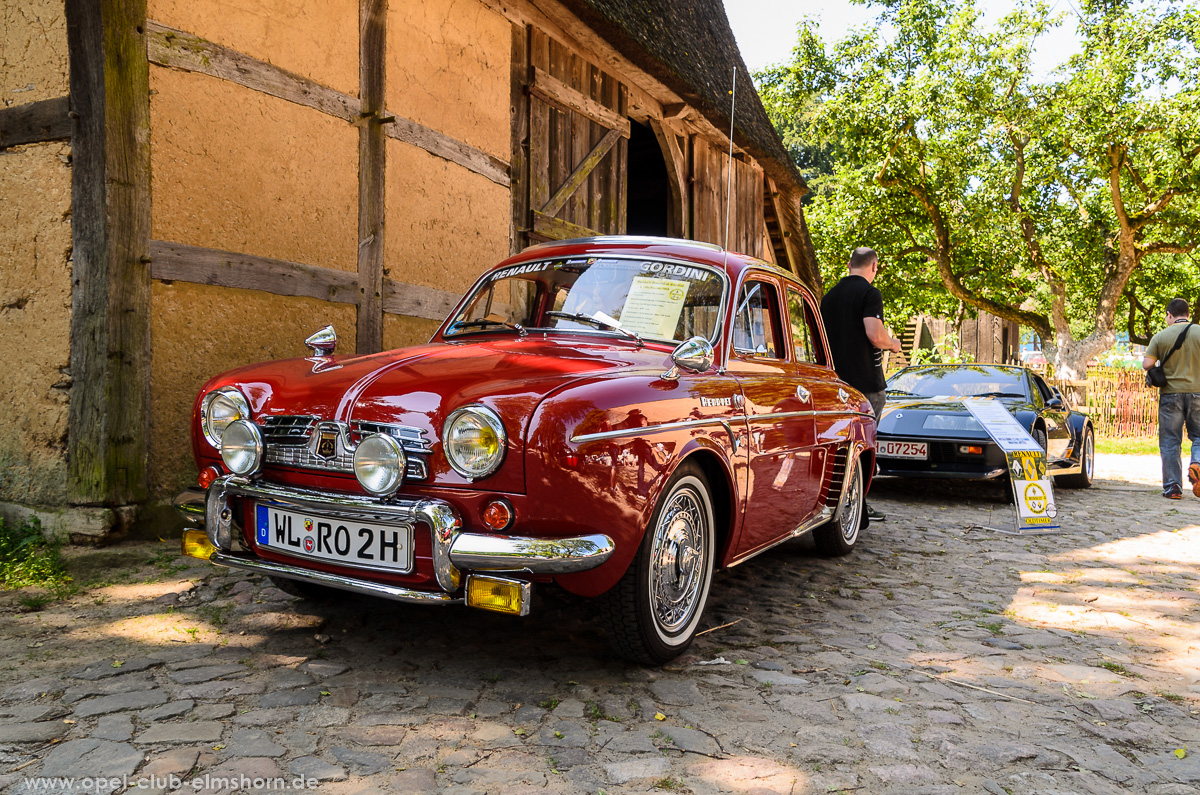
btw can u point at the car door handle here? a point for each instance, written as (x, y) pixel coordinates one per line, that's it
(803, 394)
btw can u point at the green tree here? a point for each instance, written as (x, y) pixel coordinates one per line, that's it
(982, 186)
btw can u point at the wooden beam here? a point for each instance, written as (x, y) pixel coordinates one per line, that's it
(557, 229)
(182, 263)
(178, 50)
(553, 90)
(372, 170)
(518, 111)
(35, 122)
(447, 148)
(415, 300)
(581, 172)
(109, 416)
(677, 167)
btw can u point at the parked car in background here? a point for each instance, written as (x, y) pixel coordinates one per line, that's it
(926, 431)
(620, 416)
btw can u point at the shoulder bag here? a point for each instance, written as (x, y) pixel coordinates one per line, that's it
(1156, 376)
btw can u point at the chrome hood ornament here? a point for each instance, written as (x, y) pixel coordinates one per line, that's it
(323, 343)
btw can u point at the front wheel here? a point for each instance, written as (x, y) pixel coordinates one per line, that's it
(1087, 465)
(839, 536)
(652, 613)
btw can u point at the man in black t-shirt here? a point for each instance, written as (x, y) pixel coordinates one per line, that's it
(853, 316)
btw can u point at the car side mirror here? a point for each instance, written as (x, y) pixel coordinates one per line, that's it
(323, 343)
(1054, 403)
(694, 355)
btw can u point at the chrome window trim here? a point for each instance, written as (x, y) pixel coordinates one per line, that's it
(718, 327)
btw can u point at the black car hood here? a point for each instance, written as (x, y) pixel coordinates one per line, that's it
(906, 416)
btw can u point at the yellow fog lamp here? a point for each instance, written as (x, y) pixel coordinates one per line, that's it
(498, 594)
(195, 544)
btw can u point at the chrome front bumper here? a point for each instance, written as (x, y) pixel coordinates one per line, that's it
(453, 550)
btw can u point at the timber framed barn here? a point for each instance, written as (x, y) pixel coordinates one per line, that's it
(190, 185)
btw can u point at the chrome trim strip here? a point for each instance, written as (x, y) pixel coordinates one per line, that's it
(533, 555)
(189, 504)
(807, 526)
(355, 585)
(666, 426)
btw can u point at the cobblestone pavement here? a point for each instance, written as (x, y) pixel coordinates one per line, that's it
(941, 657)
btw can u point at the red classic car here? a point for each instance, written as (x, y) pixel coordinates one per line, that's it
(619, 416)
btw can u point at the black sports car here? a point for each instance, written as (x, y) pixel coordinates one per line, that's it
(925, 430)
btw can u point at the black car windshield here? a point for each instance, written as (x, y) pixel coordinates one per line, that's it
(967, 380)
(648, 299)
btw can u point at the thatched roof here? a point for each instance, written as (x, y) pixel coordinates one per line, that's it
(689, 46)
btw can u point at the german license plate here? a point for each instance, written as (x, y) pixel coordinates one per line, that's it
(319, 538)
(892, 449)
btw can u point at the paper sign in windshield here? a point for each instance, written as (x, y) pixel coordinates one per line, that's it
(653, 306)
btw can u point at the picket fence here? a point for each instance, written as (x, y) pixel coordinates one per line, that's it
(1119, 402)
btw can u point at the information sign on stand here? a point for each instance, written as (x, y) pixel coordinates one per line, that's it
(1033, 492)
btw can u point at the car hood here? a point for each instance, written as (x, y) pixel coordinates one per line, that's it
(906, 416)
(419, 387)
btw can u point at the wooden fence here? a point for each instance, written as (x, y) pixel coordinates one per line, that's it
(1118, 401)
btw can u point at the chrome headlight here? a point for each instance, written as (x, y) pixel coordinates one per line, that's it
(474, 440)
(242, 447)
(219, 409)
(379, 464)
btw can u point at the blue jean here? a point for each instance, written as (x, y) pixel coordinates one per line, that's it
(1176, 412)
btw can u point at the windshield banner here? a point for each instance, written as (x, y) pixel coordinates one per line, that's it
(1033, 492)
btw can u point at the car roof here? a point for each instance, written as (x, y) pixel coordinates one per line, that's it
(674, 248)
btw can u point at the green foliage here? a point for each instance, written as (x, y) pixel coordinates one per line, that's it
(27, 558)
(1055, 202)
(944, 351)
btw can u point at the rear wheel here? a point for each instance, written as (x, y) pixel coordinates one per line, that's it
(1087, 464)
(841, 535)
(652, 613)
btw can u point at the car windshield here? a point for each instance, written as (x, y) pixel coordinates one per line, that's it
(961, 381)
(648, 299)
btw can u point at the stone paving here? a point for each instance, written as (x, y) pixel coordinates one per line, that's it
(941, 657)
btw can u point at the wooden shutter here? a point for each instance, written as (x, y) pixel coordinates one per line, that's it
(578, 145)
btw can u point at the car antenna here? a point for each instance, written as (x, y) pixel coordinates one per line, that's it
(729, 176)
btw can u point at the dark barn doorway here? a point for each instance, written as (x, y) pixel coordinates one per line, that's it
(649, 199)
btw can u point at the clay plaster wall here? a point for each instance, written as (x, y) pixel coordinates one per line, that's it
(445, 224)
(35, 321)
(404, 332)
(448, 68)
(198, 331)
(317, 39)
(239, 170)
(33, 51)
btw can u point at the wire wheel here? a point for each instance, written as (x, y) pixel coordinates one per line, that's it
(839, 536)
(652, 613)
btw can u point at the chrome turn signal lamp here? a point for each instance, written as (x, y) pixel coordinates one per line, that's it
(498, 594)
(195, 544)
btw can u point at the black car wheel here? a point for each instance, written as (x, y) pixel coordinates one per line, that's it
(1087, 465)
(652, 613)
(839, 536)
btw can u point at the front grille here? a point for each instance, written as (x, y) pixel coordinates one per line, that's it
(287, 430)
(290, 440)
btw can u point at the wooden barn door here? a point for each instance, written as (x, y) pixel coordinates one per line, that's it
(578, 146)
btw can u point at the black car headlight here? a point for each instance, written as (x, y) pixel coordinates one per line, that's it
(219, 409)
(474, 440)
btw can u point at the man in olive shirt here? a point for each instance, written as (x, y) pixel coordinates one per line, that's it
(1179, 400)
(853, 314)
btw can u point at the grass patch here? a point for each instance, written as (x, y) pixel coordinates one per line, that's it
(27, 559)
(1134, 446)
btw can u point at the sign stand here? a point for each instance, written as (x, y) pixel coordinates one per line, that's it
(1033, 491)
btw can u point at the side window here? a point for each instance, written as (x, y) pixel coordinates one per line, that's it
(756, 329)
(1043, 389)
(802, 338)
